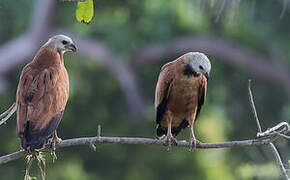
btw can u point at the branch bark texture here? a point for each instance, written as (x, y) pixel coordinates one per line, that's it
(144, 141)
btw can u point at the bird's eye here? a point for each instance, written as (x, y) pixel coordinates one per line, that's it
(64, 42)
(200, 67)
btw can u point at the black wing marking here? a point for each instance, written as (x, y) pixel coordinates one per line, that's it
(200, 102)
(161, 108)
(176, 130)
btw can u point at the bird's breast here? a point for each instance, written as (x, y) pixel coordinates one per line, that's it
(183, 96)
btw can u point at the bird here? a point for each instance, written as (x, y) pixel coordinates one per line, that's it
(180, 94)
(42, 94)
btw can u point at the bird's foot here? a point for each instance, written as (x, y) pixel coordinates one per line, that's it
(169, 140)
(55, 140)
(192, 144)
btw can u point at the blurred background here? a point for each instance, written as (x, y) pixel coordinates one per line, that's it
(113, 78)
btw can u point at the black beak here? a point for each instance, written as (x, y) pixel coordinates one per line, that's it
(206, 75)
(71, 47)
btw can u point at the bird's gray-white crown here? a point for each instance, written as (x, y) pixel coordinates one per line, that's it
(198, 62)
(61, 43)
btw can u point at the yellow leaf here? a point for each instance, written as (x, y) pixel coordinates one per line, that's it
(85, 11)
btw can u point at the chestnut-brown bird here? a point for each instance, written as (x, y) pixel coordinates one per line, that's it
(180, 94)
(42, 94)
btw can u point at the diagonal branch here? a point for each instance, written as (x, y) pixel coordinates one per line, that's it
(7, 114)
(271, 145)
(136, 140)
(251, 98)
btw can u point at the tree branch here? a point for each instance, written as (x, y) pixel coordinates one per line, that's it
(271, 145)
(251, 98)
(144, 141)
(7, 114)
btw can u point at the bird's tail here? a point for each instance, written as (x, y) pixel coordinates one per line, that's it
(161, 131)
(31, 140)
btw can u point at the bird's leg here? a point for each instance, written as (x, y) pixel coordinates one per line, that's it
(55, 140)
(169, 137)
(192, 141)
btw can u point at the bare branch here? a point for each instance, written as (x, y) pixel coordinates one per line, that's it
(280, 128)
(271, 145)
(135, 140)
(7, 114)
(278, 160)
(283, 135)
(254, 108)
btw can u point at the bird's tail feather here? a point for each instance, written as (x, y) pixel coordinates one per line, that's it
(175, 130)
(31, 139)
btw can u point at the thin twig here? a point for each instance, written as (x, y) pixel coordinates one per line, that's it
(282, 135)
(280, 128)
(278, 160)
(271, 145)
(253, 107)
(7, 114)
(136, 140)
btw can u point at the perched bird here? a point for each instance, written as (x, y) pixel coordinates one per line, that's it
(42, 94)
(180, 94)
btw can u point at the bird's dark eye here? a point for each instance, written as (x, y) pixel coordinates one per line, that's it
(200, 67)
(64, 42)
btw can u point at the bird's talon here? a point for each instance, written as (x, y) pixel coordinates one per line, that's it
(192, 145)
(53, 154)
(58, 140)
(169, 141)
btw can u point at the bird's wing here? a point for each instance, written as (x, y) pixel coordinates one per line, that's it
(37, 96)
(201, 94)
(163, 86)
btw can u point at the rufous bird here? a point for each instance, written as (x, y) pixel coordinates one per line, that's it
(42, 94)
(180, 94)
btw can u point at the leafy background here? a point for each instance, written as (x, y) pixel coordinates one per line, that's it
(96, 96)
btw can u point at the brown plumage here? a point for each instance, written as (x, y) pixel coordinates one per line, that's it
(180, 94)
(42, 93)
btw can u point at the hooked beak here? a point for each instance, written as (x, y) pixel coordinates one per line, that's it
(206, 75)
(71, 47)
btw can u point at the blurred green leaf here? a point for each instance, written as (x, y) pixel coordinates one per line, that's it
(85, 11)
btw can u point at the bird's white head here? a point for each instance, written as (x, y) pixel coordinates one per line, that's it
(198, 62)
(61, 43)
